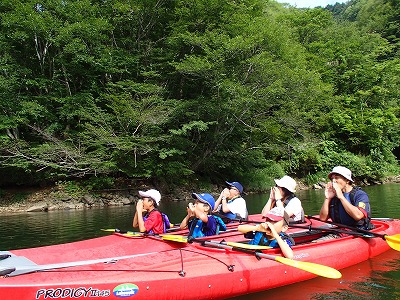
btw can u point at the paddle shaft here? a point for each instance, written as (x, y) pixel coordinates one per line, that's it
(349, 227)
(329, 230)
(316, 269)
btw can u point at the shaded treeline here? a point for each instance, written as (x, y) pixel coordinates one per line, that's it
(176, 91)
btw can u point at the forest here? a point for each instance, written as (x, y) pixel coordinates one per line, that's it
(177, 92)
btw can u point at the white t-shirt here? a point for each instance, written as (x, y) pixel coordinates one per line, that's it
(295, 207)
(238, 206)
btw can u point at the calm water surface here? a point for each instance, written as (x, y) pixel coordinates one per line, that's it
(378, 278)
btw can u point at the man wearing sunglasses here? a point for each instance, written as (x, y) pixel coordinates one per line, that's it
(230, 203)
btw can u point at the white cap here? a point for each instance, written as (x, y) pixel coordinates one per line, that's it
(346, 173)
(152, 193)
(276, 214)
(287, 182)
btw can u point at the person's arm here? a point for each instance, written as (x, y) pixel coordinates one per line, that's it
(217, 203)
(139, 212)
(135, 220)
(224, 194)
(285, 248)
(190, 214)
(200, 214)
(185, 222)
(247, 228)
(353, 211)
(329, 194)
(270, 203)
(324, 212)
(225, 207)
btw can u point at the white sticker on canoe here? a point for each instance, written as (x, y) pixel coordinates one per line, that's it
(125, 290)
(72, 293)
(301, 255)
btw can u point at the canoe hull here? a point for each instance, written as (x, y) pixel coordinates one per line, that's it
(171, 270)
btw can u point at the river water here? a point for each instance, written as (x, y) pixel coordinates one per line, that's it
(378, 278)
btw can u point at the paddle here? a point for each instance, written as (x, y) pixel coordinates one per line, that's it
(19, 270)
(317, 269)
(330, 230)
(183, 239)
(393, 241)
(314, 268)
(130, 233)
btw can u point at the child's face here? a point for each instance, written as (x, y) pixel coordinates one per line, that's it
(279, 226)
(202, 206)
(147, 202)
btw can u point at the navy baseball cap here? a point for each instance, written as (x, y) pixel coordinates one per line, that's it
(236, 185)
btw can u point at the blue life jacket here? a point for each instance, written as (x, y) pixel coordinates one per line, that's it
(259, 238)
(230, 215)
(196, 227)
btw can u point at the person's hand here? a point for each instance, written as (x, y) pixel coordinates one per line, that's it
(139, 206)
(271, 228)
(337, 189)
(277, 192)
(329, 191)
(225, 193)
(263, 227)
(190, 209)
(272, 194)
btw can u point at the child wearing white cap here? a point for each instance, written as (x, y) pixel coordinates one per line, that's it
(147, 217)
(344, 203)
(282, 195)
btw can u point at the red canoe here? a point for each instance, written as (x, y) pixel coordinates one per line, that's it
(137, 267)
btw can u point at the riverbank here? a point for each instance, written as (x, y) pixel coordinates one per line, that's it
(59, 197)
(20, 200)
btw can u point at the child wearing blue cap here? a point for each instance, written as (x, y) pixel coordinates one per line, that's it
(199, 219)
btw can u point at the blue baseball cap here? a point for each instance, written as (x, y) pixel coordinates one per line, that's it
(236, 185)
(205, 198)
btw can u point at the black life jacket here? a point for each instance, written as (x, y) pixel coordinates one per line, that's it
(364, 223)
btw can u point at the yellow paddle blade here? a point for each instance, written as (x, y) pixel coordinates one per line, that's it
(393, 241)
(317, 269)
(174, 238)
(247, 246)
(110, 230)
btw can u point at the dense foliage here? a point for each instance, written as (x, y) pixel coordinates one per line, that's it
(176, 91)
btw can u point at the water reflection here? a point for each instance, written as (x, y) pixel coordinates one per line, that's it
(377, 278)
